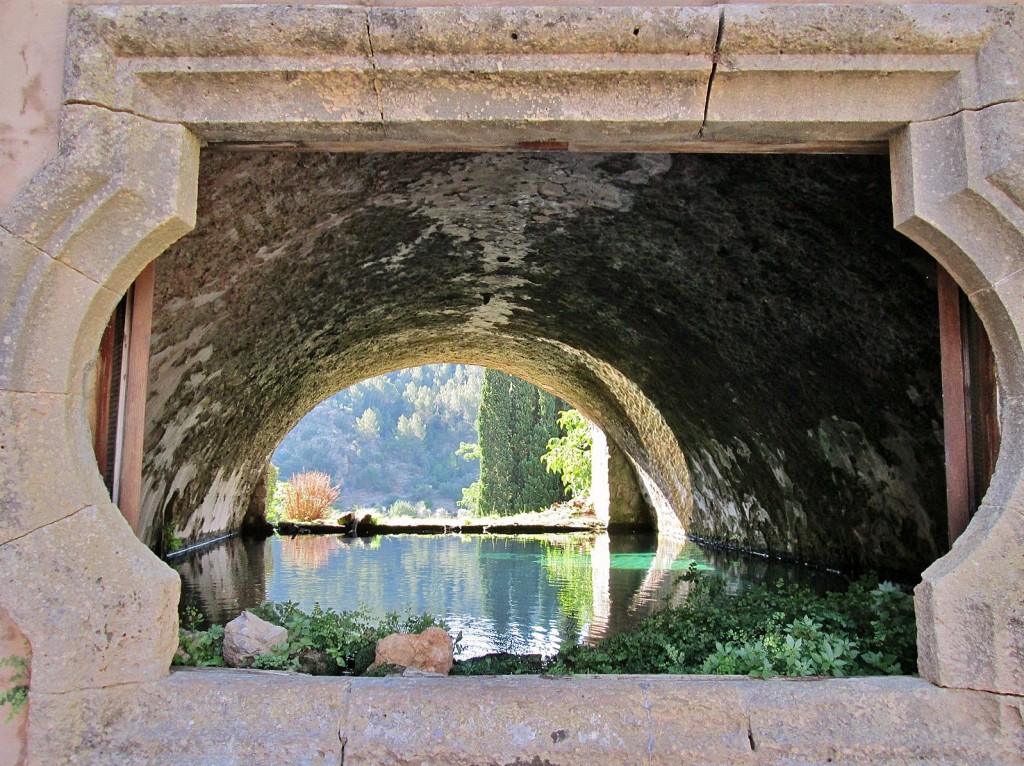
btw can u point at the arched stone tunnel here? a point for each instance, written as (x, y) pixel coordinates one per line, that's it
(750, 330)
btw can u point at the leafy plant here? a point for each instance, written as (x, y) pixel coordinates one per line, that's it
(196, 647)
(172, 543)
(275, 494)
(308, 496)
(471, 498)
(500, 664)
(16, 695)
(765, 631)
(348, 638)
(569, 455)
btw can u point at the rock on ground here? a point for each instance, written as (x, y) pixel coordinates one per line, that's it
(247, 636)
(430, 651)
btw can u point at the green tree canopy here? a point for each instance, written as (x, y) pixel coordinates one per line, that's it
(569, 455)
(516, 421)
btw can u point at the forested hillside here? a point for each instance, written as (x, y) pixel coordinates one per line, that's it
(392, 438)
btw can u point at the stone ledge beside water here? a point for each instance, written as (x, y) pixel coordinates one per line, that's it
(215, 716)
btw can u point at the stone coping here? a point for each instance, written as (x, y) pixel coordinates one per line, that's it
(217, 716)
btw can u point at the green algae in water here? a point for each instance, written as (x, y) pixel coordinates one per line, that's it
(644, 561)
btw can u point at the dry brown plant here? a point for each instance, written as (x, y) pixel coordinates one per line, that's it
(308, 496)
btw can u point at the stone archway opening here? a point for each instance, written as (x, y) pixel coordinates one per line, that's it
(401, 437)
(750, 331)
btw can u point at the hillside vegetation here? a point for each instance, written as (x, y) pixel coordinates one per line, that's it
(392, 438)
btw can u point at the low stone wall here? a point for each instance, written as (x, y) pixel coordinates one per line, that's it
(218, 717)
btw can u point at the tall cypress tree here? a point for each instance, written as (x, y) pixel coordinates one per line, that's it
(540, 487)
(494, 424)
(515, 422)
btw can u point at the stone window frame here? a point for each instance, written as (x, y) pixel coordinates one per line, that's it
(145, 87)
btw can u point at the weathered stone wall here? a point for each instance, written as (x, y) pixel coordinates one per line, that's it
(786, 334)
(616, 492)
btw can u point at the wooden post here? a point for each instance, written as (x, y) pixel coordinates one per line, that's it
(129, 485)
(982, 413)
(104, 385)
(954, 406)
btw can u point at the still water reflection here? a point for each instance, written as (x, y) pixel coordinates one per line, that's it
(515, 594)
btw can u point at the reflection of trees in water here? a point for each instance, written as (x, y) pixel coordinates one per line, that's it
(511, 586)
(514, 593)
(308, 552)
(567, 562)
(223, 579)
(390, 573)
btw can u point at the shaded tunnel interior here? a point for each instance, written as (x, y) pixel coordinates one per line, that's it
(749, 330)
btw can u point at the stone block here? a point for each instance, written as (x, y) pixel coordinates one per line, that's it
(47, 307)
(120, 190)
(247, 636)
(48, 468)
(207, 716)
(497, 720)
(1002, 136)
(522, 31)
(970, 605)
(144, 60)
(108, 46)
(697, 720)
(97, 607)
(873, 721)
(807, 73)
(943, 198)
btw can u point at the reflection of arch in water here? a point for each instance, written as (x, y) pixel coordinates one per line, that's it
(661, 584)
(224, 575)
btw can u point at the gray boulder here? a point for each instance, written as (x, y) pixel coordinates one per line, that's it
(247, 636)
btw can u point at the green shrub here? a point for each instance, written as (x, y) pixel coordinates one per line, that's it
(348, 638)
(499, 665)
(569, 455)
(199, 648)
(172, 543)
(275, 494)
(764, 631)
(15, 695)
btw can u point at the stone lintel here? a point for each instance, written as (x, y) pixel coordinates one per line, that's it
(490, 78)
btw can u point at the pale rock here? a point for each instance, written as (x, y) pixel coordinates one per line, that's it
(429, 651)
(247, 636)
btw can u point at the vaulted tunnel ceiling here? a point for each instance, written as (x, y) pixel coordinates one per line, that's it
(757, 313)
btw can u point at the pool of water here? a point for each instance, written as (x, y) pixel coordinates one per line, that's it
(520, 594)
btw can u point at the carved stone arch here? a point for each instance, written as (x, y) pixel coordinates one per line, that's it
(942, 83)
(957, 191)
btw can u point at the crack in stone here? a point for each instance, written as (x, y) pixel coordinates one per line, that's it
(963, 110)
(750, 736)
(376, 75)
(343, 722)
(120, 110)
(650, 724)
(715, 57)
(55, 521)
